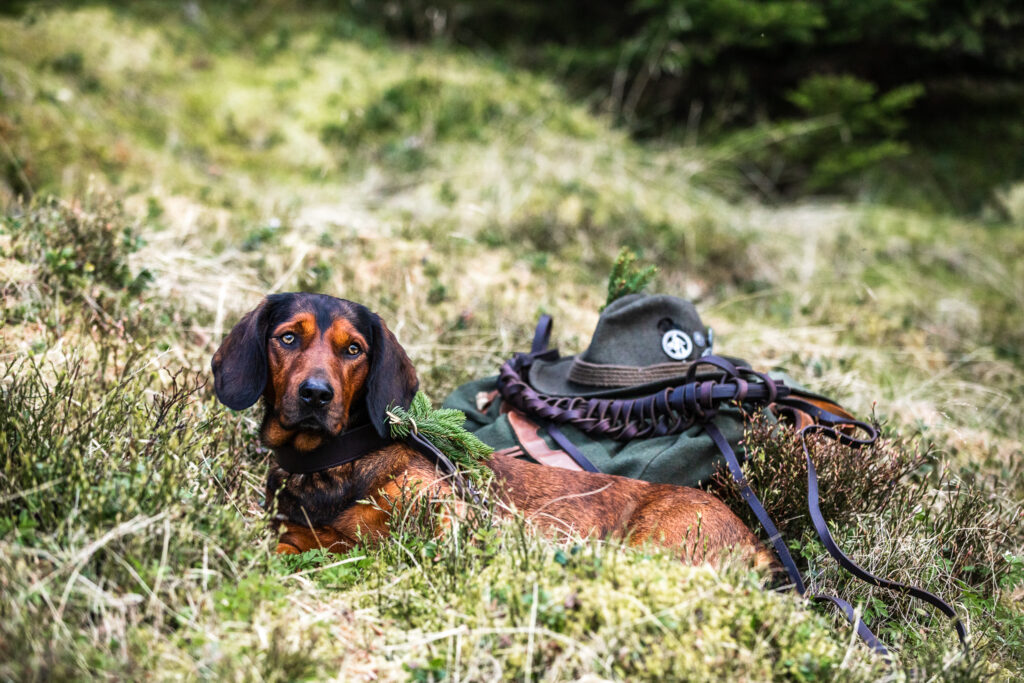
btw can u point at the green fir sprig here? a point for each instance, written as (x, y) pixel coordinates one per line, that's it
(627, 277)
(443, 428)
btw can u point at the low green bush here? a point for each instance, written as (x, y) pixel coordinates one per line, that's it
(76, 248)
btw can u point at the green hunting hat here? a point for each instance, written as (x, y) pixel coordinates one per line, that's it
(641, 342)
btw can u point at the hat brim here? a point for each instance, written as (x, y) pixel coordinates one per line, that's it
(552, 378)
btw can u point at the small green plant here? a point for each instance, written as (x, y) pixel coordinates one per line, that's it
(57, 417)
(437, 291)
(262, 236)
(316, 277)
(121, 485)
(628, 276)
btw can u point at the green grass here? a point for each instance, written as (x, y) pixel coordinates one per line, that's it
(293, 149)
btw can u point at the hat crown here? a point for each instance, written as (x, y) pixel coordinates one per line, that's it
(641, 342)
(632, 332)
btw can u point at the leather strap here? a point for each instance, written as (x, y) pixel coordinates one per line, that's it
(541, 335)
(432, 452)
(570, 448)
(821, 527)
(865, 633)
(755, 505)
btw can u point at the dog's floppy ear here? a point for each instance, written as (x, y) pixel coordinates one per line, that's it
(240, 364)
(392, 378)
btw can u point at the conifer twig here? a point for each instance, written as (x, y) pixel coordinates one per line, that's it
(627, 277)
(443, 428)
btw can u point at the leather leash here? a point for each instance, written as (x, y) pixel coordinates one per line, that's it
(676, 409)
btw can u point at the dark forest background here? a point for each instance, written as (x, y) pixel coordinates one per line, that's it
(908, 102)
(810, 96)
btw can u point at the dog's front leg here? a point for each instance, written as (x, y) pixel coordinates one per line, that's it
(297, 539)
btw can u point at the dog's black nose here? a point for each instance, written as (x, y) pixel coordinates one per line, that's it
(316, 392)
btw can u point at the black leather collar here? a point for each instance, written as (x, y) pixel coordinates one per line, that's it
(354, 444)
(344, 448)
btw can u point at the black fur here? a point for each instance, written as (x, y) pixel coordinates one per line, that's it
(392, 379)
(320, 498)
(240, 364)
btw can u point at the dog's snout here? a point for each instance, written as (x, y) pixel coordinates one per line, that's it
(315, 392)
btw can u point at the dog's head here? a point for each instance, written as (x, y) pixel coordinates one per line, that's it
(321, 364)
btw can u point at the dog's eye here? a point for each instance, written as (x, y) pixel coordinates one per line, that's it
(288, 339)
(353, 349)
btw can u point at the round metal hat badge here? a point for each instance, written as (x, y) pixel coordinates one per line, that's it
(676, 344)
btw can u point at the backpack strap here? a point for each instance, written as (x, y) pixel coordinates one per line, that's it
(541, 335)
(569, 447)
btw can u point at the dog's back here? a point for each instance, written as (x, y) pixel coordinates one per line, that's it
(696, 523)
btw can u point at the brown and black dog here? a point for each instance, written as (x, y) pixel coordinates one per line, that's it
(323, 365)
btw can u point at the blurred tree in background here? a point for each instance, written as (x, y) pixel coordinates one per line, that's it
(913, 102)
(823, 91)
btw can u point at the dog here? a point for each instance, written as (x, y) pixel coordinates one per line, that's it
(325, 365)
